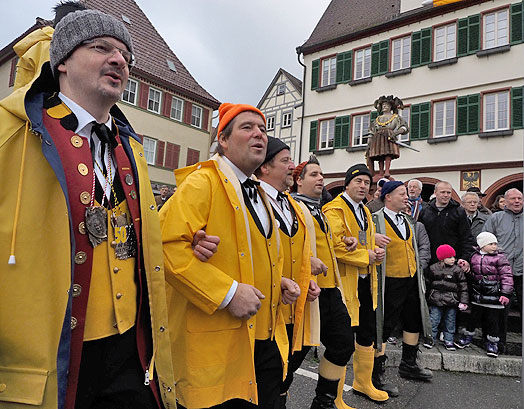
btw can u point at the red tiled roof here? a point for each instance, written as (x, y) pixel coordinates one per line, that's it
(152, 52)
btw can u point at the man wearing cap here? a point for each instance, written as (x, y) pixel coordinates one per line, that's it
(82, 301)
(228, 334)
(401, 286)
(349, 217)
(302, 318)
(335, 326)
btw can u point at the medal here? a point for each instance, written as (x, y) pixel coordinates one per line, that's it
(125, 238)
(362, 238)
(96, 224)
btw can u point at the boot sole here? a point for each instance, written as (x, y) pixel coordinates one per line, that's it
(415, 378)
(366, 396)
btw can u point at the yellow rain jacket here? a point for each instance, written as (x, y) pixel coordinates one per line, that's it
(35, 235)
(213, 352)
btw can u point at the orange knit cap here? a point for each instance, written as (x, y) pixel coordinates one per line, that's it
(227, 111)
(298, 170)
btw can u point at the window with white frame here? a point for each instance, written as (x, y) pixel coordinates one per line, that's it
(363, 63)
(286, 119)
(154, 100)
(327, 134)
(496, 111)
(405, 115)
(281, 89)
(496, 29)
(401, 53)
(129, 94)
(360, 129)
(329, 68)
(177, 108)
(270, 123)
(444, 114)
(150, 150)
(445, 42)
(196, 116)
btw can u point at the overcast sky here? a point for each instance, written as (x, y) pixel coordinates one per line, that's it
(233, 48)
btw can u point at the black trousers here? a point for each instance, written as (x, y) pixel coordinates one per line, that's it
(485, 318)
(401, 304)
(335, 327)
(366, 330)
(294, 361)
(111, 376)
(268, 371)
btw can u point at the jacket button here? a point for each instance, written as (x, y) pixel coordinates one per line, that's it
(250, 325)
(116, 270)
(157, 268)
(85, 198)
(241, 254)
(77, 290)
(113, 244)
(82, 228)
(152, 207)
(162, 329)
(3, 387)
(82, 169)
(80, 257)
(119, 295)
(169, 389)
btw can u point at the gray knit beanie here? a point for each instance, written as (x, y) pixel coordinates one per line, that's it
(83, 25)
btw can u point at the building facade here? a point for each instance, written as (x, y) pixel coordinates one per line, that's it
(457, 69)
(282, 106)
(166, 106)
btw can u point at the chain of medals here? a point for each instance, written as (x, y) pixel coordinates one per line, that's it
(386, 122)
(96, 219)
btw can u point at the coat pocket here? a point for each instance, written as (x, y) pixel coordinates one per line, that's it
(22, 385)
(220, 320)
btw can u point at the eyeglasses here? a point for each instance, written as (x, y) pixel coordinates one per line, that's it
(106, 48)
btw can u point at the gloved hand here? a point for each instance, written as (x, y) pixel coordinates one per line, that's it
(504, 300)
(463, 307)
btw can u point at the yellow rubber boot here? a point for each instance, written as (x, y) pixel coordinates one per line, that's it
(363, 360)
(339, 401)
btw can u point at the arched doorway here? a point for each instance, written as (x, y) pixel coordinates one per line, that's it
(501, 186)
(335, 188)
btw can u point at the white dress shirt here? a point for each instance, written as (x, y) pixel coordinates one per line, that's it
(358, 211)
(83, 130)
(399, 221)
(281, 208)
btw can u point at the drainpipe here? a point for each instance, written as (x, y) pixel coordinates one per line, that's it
(299, 51)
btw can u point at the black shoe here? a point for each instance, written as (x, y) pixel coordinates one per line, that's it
(409, 368)
(378, 377)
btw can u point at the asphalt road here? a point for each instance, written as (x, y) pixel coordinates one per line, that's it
(448, 390)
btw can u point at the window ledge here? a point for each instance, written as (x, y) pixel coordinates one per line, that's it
(356, 148)
(441, 63)
(491, 134)
(320, 152)
(494, 50)
(360, 81)
(440, 139)
(398, 72)
(326, 88)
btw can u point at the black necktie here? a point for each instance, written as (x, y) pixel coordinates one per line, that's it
(363, 215)
(250, 186)
(104, 135)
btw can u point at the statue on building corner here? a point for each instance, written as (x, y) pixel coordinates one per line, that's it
(383, 132)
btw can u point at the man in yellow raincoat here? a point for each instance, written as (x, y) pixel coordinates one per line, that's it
(228, 334)
(349, 217)
(80, 230)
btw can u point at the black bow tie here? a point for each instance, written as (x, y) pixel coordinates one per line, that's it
(104, 134)
(250, 187)
(281, 197)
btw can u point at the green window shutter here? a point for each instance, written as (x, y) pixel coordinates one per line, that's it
(375, 59)
(344, 63)
(342, 131)
(315, 66)
(462, 115)
(516, 107)
(372, 116)
(517, 23)
(338, 132)
(462, 37)
(425, 46)
(313, 136)
(384, 57)
(473, 33)
(473, 113)
(415, 49)
(414, 132)
(425, 120)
